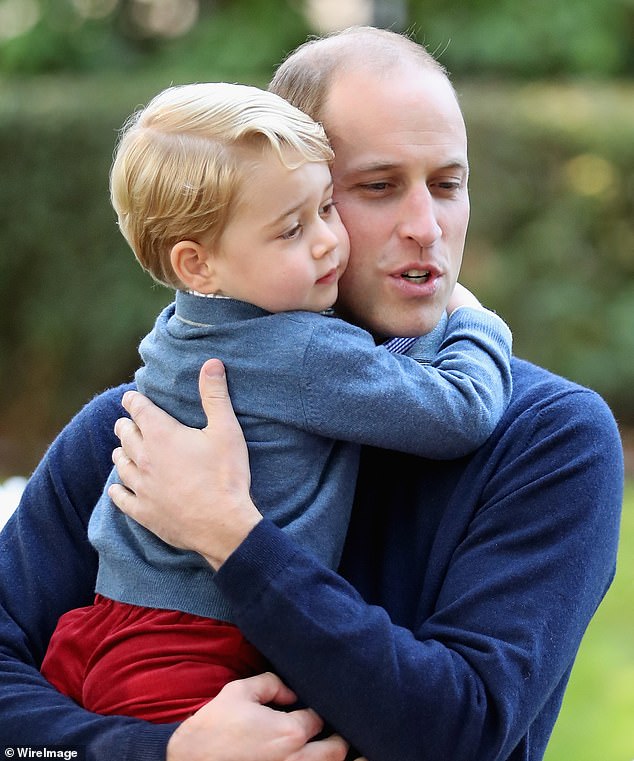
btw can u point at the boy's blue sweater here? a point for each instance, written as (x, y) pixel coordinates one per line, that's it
(308, 390)
(469, 585)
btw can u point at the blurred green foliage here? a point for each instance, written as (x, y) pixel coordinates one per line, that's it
(551, 241)
(596, 718)
(493, 37)
(540, 38)
(225, 36)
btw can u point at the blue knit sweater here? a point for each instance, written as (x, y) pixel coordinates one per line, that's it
(308, 390)
(467, 587)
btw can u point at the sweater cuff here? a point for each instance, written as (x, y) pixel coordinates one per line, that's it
(147, 742)
(483, 319)
(249, 570)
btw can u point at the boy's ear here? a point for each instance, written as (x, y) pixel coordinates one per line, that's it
(194, 266)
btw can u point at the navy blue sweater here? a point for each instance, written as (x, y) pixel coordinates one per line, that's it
(467, 586)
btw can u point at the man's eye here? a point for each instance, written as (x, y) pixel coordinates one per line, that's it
(376, 187)
(449, 185)
(294, 232)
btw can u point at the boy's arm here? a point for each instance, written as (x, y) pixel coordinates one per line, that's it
(355, 391)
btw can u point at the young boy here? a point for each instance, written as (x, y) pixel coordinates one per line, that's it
(224, 193)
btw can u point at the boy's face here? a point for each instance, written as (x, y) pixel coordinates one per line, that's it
(400, 184)
(285, 246)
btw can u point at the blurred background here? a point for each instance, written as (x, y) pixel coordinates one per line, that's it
(547, 88)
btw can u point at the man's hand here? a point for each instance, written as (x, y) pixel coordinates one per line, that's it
(238, 725)
(190, 487)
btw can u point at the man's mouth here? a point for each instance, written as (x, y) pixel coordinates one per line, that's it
(416, 276)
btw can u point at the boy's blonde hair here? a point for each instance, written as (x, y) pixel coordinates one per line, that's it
(178, 169)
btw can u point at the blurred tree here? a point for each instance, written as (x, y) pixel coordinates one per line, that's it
(529, 39)
(502, 37)
(38, 36)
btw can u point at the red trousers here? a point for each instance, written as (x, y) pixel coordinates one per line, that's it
(158, 665)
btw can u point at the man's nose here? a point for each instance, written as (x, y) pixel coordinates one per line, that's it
(418, 217)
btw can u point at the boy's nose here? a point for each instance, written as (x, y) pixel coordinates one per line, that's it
(325, 242)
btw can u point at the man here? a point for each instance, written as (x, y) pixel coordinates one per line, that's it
(466, 586)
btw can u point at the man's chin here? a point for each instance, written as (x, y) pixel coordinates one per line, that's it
(417, 324)
(393, 321)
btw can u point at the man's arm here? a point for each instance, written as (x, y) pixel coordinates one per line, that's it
(47, 567)
(513, 602)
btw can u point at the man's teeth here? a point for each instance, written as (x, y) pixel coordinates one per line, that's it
(418, 276)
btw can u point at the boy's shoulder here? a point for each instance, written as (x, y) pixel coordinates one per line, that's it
(326, 323)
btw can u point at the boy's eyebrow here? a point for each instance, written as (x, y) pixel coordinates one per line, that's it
(295, 208)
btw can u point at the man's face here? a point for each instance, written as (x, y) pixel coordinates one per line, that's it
(400, 185)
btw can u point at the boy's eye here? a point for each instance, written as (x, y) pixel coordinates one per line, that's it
(292, 233)
(326, 209)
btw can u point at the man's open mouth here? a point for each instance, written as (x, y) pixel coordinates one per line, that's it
(416, 276)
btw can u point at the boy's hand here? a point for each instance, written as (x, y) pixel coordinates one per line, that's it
(462, 297)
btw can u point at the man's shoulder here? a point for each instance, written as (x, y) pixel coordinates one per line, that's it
(107, 401)
(557, 401)
(530, 380)
(97, 417)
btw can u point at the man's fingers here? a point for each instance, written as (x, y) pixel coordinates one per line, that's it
(129, 435)
(268, 688)
(149, 419)
(135, 403)
(333, 748)
(123, 498)
(147, 422)
(126, 468)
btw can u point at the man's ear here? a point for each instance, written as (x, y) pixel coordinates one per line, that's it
(194, 266)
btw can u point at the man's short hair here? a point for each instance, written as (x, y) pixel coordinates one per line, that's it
(305, 76)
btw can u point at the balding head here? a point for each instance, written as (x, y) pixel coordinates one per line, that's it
(305, 77)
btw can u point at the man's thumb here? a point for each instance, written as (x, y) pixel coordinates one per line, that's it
(214, 394)
(212, 384)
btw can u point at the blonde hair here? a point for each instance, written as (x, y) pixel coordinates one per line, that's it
(177, 169)
(305, 77)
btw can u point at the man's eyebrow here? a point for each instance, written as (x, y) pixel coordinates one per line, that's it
(386, 166)
(458, 164)
(375, 166)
